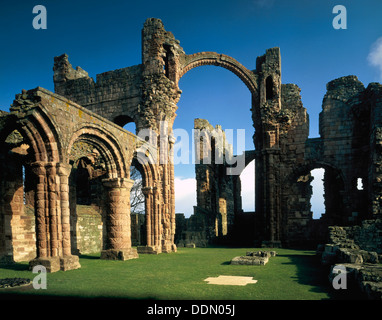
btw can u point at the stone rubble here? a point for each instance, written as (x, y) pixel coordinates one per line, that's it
(254, 258)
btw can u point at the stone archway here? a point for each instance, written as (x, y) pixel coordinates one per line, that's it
(49, 180)
(41, 118)
(299, 227)
(221, 60)
(116, 186)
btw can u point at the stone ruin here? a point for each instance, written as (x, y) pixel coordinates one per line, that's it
(254, 258)
(65, 161)
(358, 251)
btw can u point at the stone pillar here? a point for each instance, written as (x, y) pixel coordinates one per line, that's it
(271, 194)
(148, 192)
(157, 226)
(67, 260)
(172, 194)
(118, 223)
(64, 172)
(52, 195)
(153, 222)
(52, 225)
(42, 246)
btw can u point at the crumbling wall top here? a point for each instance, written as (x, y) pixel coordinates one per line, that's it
(344, 88)
(270, 61)
(63, 70)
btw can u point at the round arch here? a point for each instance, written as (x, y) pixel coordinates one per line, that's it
(221, 60)
(108, 147)
(311, 165)
(40, 133)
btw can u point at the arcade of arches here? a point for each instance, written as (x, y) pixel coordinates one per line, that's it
(66, 158)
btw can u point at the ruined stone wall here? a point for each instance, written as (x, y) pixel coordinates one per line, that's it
(138, 232)
(216, 191)
(295, 196)
(346, 150)
(89, 230)
(17, 221)
(366, 236)
(374, 189)
(114, 95)
(344, 130)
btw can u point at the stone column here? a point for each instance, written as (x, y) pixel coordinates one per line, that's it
(38, 169)
(52, 195)
(272, 210)
(148, 192)
(118, 223)
(64, 172)
(172, 194)
(157, 220)
(50, 205)
(151, 222)
(67, 260)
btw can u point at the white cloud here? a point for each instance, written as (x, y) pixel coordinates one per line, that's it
(375, 55)
(185, 195)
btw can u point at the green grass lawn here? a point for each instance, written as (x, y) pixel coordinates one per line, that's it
(291, 275)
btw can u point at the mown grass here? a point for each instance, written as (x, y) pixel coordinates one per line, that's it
(291, 275)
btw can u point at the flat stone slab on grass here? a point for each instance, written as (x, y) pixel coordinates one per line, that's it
(254, 258)
(230, 280)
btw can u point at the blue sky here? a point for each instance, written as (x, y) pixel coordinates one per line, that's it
(100, 36)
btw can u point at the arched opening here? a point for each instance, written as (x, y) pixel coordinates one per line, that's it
(269, 88)
(360, 184)
(319, 193)
(126, 123)
(317, 199)
(137, 207)
(86, 199)
(313, 200)
(83, 177)
(219, 100)
(169, 67)
(218, 96)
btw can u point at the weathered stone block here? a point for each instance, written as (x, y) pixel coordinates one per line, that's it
(113, 254)
(52, 264)
(254, 258)
(69, 263)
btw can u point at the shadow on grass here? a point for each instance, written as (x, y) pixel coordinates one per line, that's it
(90, 257)
(30, 294)
(311, 272)
(15, 266)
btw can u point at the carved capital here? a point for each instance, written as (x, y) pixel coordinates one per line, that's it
(38, 168)
(63, 169)
(147, 190)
